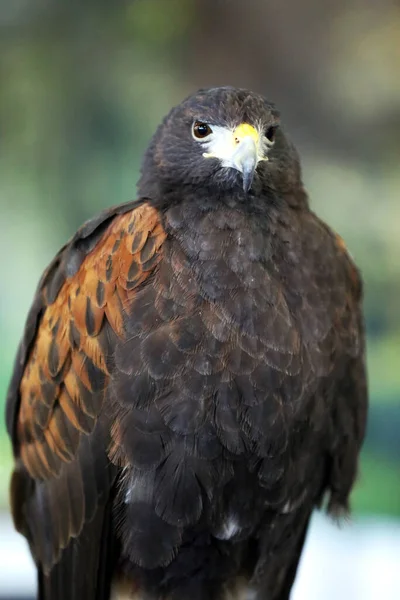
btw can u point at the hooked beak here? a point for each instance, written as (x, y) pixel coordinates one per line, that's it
(245, 156)
(245, 160)
(240, 149)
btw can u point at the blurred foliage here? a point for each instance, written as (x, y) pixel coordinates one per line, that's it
(84, 84)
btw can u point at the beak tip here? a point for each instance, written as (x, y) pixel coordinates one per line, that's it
(248, 177)
(246, 161)
(247, 184)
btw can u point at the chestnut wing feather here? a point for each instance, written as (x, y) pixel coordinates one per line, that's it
(56, 405)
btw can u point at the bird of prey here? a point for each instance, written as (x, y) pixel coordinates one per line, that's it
(191, 381)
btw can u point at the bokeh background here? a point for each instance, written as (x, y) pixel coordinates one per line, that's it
(83, 86)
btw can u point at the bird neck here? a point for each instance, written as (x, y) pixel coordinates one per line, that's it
(222, 228)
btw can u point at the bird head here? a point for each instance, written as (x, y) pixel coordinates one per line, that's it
(220, 137)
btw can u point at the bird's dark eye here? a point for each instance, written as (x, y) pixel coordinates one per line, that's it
(201, 130)
(270, 133)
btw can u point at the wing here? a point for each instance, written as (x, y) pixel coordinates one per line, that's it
(332, 424)
(62, 485)
(341, 360)
(349, 410)
(332, 315)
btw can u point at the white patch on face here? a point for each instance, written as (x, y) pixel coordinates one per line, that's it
(222, 144)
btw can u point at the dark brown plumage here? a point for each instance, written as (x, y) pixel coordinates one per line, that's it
(191, 379)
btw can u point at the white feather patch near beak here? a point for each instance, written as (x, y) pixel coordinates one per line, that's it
(241, 149)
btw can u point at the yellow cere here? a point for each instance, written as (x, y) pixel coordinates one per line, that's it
(245, 130)
(224, 142)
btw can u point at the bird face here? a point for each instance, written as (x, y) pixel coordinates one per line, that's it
(240, 148)
(226, 139)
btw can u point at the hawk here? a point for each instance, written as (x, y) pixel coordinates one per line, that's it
(191, 382)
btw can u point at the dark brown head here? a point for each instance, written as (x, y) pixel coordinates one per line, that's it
(223, 138)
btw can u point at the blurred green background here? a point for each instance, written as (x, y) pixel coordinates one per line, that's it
(84, 84)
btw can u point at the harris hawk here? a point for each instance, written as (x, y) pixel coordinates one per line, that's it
(191, 381)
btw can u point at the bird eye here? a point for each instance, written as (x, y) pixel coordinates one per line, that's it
(201, 130)
(270, 133)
